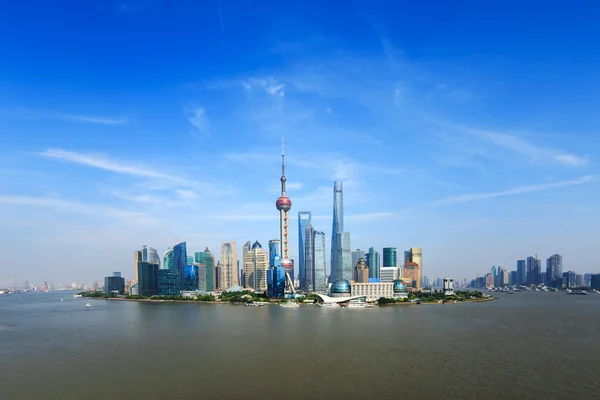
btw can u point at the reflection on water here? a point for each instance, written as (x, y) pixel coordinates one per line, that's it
(526, 346)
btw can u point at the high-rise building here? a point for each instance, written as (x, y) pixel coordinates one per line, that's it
(245, 249)
(569, 279)
(373, 263)
(229, 273)
(147, 254)
(534, 269)
(320, 272)
(274, 247)
(361, 271)
(504, 277)
(114, 284)
(304, 218)
(521, 272)
(284, 204)
(167, 281)
(357, 255)
(190, 277)
(343, 268)
(410, 272)
(514, 278)
(388, 274)
(554, 270)
(207, 260)
(137, 259)
(309, 260)
(595, 281)
(179, 261)
(414, 255)
(390, 255)
(147, 279)
(489, 280)
(218, 276)
(256, 267)
(336, 231)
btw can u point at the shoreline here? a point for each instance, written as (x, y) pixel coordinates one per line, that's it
(276, 303)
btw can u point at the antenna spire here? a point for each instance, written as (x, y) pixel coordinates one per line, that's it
(283, 179)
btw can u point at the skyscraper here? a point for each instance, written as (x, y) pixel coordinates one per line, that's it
(337, 229)
(320, 273)
(361, 272)
(304, 218)
(357, 255)
(168, 259)
(147, 254)
(229, 272)
(284, 204)
(414, 255)
(390, 255)
(521, 272)
(137, 259)
(256, 266)
(343, 269)
(179, 262)
(147, 275)
(308, 283)
(554, 270)
(373, 263)
(207, 260)
(534, 269)
(274, 247)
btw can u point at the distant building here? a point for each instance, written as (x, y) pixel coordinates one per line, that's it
(147, 279)
(449, 286)
(569, 279)
(343, 268)
(189, 260)
(168, 259)
(388, 274)
(489, 280)
(595, 281)
(218, 276)
(372, 259)
(320, 254)
(514, 278)
(274, 247)
(167, 281)
(179, 262)
(390, 255)
(554, 271)
(357, 255)
(206, 260)
(415, 255)
(256, 267)
(114, 284)
(521, 273)
(190, 277)
(504, 277)
(534, 269)
(411, 271)
(304, 220)
(229, 273)
(361, 272)
(307, 279)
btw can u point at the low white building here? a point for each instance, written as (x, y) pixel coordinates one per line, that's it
(388, 274)
(373, 291)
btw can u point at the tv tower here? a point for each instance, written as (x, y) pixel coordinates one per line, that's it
(284, 204)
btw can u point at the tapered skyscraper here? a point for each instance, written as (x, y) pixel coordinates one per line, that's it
(284, 204)
(337, 229)
(304, 218)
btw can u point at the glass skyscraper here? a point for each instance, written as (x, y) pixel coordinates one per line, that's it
(190, 277)
(168, 282)
(304, 218)
(149, 254)
(343, 268)
(147, 279)
(168, 259)
(336, 231)
(274, 247)
(373, 263)
(207, 260)
(521, 272)
(308, 266)
(554, 270)
(320, 271)
(390, 257)
(180, 261)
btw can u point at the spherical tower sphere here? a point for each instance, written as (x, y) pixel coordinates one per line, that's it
(287, 264)
(340, 286)
(283, 203)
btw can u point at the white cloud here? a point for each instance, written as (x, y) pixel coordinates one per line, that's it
(186, 194)
(95, 120)
(198, 120)
(463, 198)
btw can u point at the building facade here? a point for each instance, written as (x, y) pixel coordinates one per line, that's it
(320, 268)
(304, 218)
(521, 273)
(373, 263)
(167, 281)
(229, 273)
(357, 255)
(308, 281)
(256, 268)
(373, 291)
(554, 271)
(390, 257)
(361, 271)
(411, 273)
(207, 260)
(190, 277)
(274, 246)
(388, 274)
(147, 279)
(180, 261)
(343, 267)
(114, 284)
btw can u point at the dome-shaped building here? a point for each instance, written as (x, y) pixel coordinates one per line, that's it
(400, 289)
(340, 288)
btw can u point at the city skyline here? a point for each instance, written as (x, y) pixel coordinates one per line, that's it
(443, 139)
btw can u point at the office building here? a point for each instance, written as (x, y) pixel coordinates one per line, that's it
(534, 269)
(147, 279)
(218, 276)
(504, 276)
(357, 255)
(190, 277)
(361, 271)
(390, 255)
(336, 232)
(372, 260)
(274, 247)
(168, 259)
(595, 281)
(308, 284)
(489, 280)
(343, 269)
(521, 273)
(206, 260)
(189, 260)
(320, 268)
(554, 271)
(256, 267)
(304, 218)
(137, 258)
(414, 255)
(411, 273)
(167, 281)
(179, 261)
(114, 284)
(202, 272)
(388, 274)
(569, 280)
(514, 280)
(229, 272)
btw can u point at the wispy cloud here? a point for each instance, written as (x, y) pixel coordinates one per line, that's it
(198, 120)
(70, 206)
(370, 217)
(94, 120)
(463, 198)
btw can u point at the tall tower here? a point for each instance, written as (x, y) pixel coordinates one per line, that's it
(284, 204)
(304, 219)
(336, 231)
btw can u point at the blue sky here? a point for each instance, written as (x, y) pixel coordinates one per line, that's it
(468, 129)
